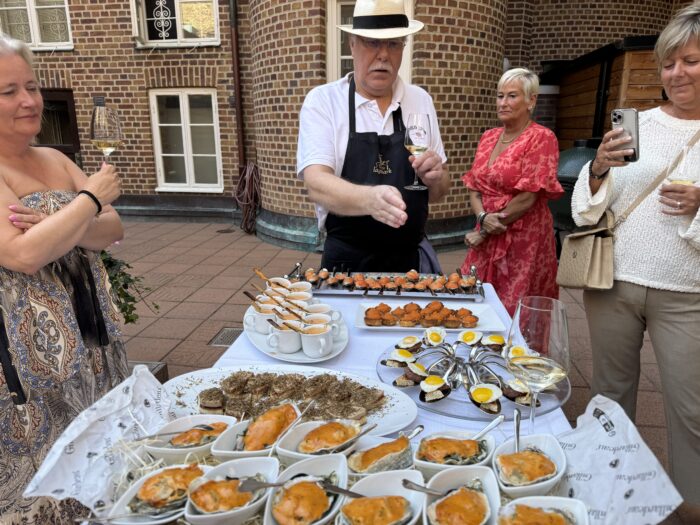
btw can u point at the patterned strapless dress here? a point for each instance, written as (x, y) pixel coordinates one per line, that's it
(60, 351)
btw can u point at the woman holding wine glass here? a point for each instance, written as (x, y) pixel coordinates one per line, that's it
(60, 347)
(656, 287)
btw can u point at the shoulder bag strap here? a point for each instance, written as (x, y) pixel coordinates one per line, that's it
(656, 181)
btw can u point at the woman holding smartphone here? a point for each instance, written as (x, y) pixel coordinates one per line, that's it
(657, 257)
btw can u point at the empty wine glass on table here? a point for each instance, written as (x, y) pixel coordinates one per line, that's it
(417, 141)
(540, 327)
(105, 128)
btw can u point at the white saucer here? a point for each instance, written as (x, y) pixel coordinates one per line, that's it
(260, 342)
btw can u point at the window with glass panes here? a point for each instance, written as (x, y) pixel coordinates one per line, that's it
(175, 22)
(40, 23)
(185, 132)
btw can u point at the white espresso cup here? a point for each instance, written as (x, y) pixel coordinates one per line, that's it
(257, 319)
(317, 340)
(322, 319)
(323, 308)
(301, 286)
(299, 296)
(285, 340)
(282, 314)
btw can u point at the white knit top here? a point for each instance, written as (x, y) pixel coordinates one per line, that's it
(651, 249)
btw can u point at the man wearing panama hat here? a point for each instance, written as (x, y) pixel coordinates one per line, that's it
(351, 151)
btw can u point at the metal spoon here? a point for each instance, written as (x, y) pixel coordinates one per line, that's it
(154, 514)
(413, 433)
(488, 428)
(410, 485)
(516, 424)
(156, 436)
(349, 442)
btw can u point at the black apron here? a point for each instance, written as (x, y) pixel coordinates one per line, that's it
(362, 244)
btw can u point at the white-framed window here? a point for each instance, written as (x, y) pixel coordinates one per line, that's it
(43, 24)
(339, 59)
(175, 23)
(185, 125)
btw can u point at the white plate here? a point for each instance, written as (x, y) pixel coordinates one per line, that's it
(398, 412)
(488, 318)
(260, 342)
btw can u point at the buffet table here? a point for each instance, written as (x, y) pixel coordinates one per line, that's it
(360, 356)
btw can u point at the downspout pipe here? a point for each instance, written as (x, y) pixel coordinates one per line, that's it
(237, 98)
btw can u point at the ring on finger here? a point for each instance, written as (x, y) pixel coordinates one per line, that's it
(678, 205)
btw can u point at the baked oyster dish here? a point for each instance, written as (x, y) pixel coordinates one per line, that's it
(263, 431)
(331, 436)
(466, 505)
(301, 501)
(525, 515)
(220, 495)
(197, 436)
(446, 450)
(525, 467)
(165, 490)
(380, 510)
(394, 455)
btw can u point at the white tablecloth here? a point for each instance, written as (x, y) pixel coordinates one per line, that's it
(359, 358)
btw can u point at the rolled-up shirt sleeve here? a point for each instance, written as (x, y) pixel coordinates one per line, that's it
(691, 234)
(586, 208)
(316, 143)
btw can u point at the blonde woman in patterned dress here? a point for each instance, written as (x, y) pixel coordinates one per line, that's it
(59, 337)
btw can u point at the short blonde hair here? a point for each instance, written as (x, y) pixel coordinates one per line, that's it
(12, 46)
(528, 80)
(683, 27)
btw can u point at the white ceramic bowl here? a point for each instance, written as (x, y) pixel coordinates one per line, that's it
(366, 442)
(237, 468)
(389, 484)
(301, 286)
(172, 455)
(122, 504)
(575, 507)
(455, 477)
(224, 446)
(429, 469)
(287, 446)
(548, 444)
(317, 466)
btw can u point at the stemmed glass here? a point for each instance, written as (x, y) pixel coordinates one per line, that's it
(105, 129)
(686, 171)
(540, 326)
(417, 141)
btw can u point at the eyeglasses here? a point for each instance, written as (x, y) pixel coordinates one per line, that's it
(392, 45)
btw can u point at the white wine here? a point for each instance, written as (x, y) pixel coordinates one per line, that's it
(536, 371)
(416, 150)
(684, 182)
(106, 146)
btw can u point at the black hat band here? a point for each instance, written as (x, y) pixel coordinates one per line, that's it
(379, 21)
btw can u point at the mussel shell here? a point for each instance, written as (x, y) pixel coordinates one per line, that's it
(474, 487)
(392, 461)
(201, 481)
(481, 454)
(405, 518)
(519, 483)
(354, 425)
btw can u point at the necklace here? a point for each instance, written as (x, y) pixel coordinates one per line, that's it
(503, 141)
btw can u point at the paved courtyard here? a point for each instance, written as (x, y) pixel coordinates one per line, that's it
(197, 273)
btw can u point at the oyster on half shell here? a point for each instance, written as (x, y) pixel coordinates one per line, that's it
(465, 504)
(526, 467)
(448, 450)
(198, 435)
(379, 510)
(394, 455)
(165, 490)
(519, 514)
(301, 501)
(221, 494)
(335, 435)
(264, 430)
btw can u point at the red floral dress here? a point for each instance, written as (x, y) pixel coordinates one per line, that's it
(522, 261)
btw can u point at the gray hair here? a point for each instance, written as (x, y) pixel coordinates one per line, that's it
(528, 80)
(12, 46)
(683, 27)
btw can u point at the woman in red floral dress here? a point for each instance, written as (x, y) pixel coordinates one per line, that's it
(513, 176)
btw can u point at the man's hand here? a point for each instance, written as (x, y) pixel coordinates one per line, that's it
(428, 167)
(384, 204)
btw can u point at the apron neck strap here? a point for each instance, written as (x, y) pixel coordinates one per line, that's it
(396, 114)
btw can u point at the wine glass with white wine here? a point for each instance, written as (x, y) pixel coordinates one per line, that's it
(686, 171)
(105, 128)
(540, 328)
(417, 141)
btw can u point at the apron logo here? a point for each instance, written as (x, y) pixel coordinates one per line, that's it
(381, 167)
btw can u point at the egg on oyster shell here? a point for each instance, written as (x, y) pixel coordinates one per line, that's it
(526, 467)
(393, 455)
(329, 435)
(301, 501)
(434, 336)
(470, 337)
(222, 494)
(465, 504)
(377, 510)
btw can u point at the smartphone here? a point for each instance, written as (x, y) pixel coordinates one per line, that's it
(628, 119)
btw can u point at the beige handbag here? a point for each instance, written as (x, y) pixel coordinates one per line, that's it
(586, 259)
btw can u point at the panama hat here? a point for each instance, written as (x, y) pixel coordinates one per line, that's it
(381, 19)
